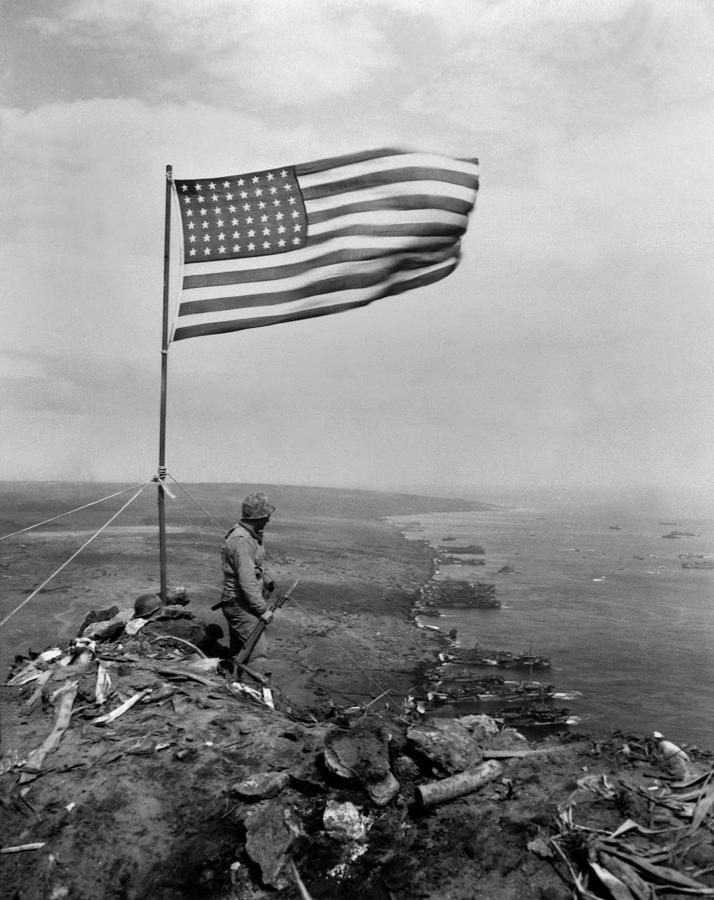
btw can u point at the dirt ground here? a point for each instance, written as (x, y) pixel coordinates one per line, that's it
(161, 802)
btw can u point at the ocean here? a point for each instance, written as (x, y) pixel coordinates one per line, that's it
(599, 589)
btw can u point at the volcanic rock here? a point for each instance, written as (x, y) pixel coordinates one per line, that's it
(446, 744)
(261, 785)
(361, 754)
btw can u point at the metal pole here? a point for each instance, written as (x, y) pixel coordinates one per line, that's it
(161, 474)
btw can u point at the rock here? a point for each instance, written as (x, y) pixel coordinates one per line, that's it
(177, 596)
(480, 726)
(361, 754)
(344, 822)
(94, 616)
(405, 767)
(307, 778)
(446, 744)
(268, 839)
(261, 785)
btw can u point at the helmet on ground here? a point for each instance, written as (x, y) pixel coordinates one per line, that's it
(145, 605)
(257, 506)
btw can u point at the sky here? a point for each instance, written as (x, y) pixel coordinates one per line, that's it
(572, 346)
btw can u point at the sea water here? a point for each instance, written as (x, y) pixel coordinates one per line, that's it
(602, 592)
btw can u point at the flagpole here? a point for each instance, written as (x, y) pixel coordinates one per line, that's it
(161, 474)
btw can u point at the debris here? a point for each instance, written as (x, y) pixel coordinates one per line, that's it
(171, 637)
(458, 785)
(264, 695)
(104, 685)
(598, 784)
(41, 682)
(304, 895)
(344, 822)
(26, 675)
(11, 760)
(109, 629)
(176, 672)
(120, 710)
(538, 751)
(675, 761)
(541, 847)
(82, 650)
(22, 847)
(65, 695)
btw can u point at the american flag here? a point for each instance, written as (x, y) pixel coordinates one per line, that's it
(318, 238)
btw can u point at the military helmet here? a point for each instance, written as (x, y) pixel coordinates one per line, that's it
(145, 605)
(257, 506)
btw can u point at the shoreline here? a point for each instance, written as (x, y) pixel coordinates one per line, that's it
(199, 790)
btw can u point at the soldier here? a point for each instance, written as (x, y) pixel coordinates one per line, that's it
(246, 585)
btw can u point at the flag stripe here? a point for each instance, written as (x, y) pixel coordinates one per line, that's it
(260, 267)
(319, 237)
(373, 180)
(380, 195)
(395, 203)
(387, 217)
(330, 162)
(207, 327)
(314, 252)
(233, 276)
(341, 166)
(327, 279)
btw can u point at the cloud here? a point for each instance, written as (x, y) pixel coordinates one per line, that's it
(236, 53)
(572, 343)
(83, 246)
(554, 69)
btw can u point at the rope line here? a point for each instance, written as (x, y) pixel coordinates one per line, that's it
(345, 652)
(75, 554)
(193, 499)
(70, 511)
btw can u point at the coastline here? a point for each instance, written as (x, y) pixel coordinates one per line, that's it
(350, 631)
(200, 791)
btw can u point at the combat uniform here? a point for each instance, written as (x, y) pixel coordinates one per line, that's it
(246, 587)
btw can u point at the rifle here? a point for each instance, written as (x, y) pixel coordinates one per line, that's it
(247, 648)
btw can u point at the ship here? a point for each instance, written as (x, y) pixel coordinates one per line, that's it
(508, 660)
(696, 561)
(535, 716)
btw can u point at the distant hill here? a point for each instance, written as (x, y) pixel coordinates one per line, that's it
(26, 502)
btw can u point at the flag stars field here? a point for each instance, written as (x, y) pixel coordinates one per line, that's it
(213, 216)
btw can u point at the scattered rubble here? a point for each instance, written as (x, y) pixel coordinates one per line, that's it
(216, 789)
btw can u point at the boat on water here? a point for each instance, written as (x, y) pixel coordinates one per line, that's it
(696, 561)
(507, 660)
(534, 716)
(448, 691)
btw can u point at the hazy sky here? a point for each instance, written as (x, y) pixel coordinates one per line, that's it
(573, 345)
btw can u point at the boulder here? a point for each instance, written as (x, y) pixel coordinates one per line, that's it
(344, 822)
(480, 726)
(268, 839)
(446, 744)
(261, 785)
(361, 754)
